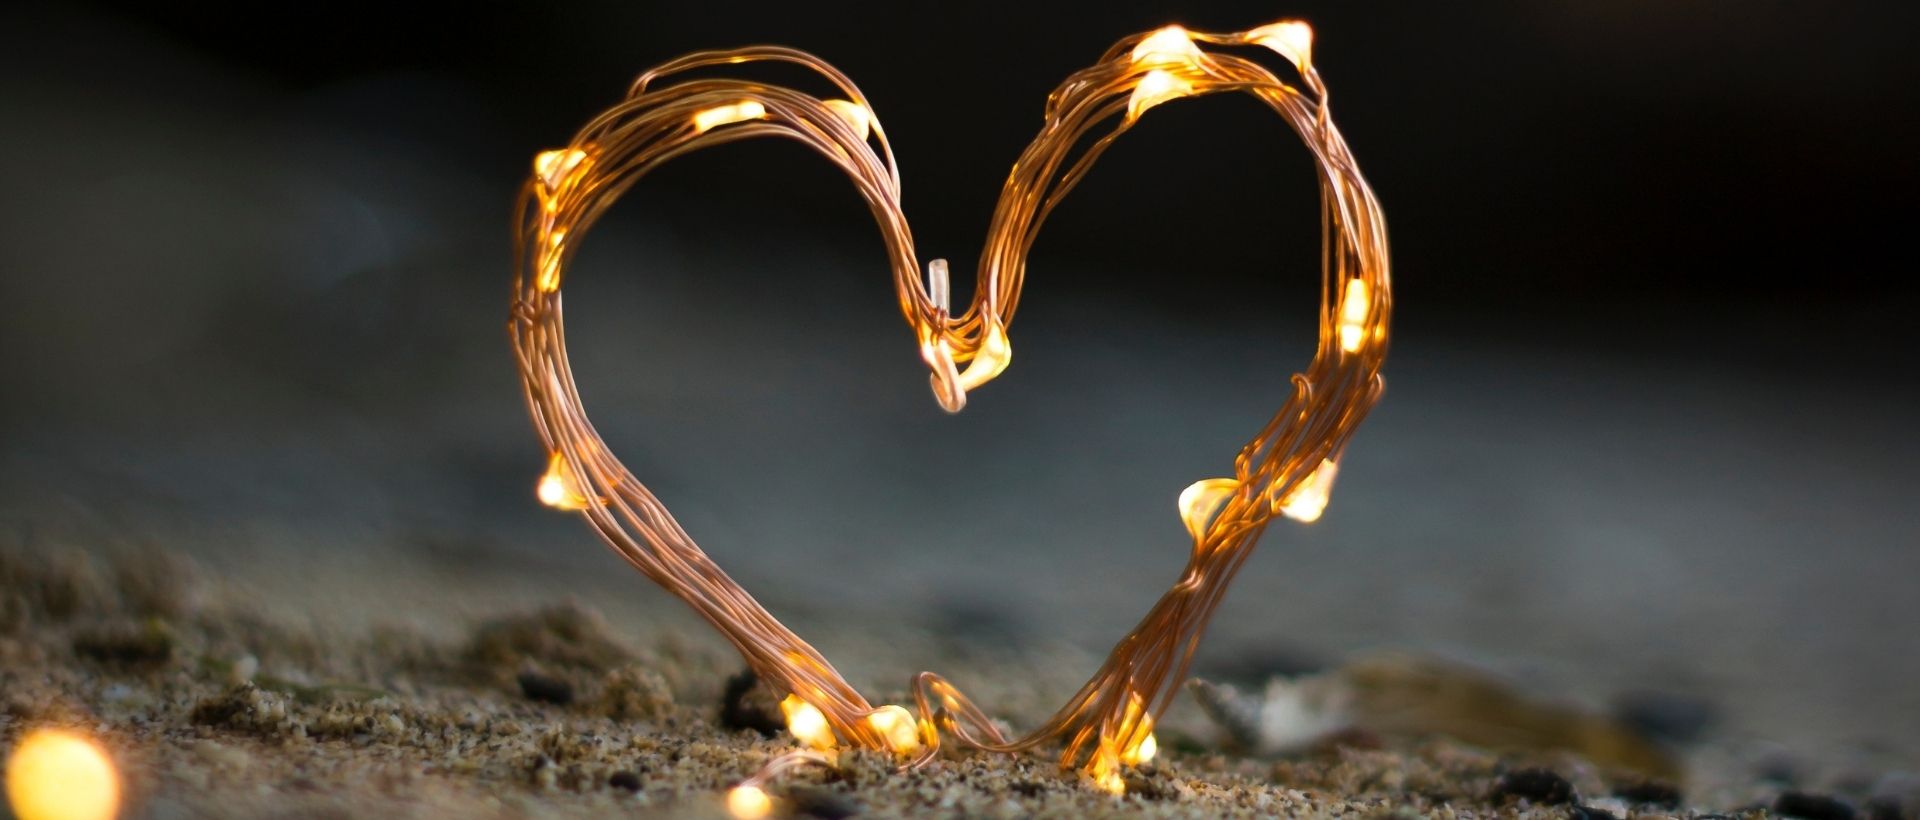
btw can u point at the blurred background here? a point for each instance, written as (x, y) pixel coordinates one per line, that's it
(1650, 408)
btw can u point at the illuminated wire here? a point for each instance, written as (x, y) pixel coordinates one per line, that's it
(1287, 468)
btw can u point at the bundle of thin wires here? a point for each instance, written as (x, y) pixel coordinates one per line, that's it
(1287, 468)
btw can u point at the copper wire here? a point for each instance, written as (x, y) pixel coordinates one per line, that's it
(1287, 467)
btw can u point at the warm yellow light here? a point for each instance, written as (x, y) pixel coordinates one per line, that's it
(1354, 306)
(1170, 44)
(1156, 87)
(806, 723)
(1292, 39)
(993, 357)
(856, 115)
(1141, 747)
(554, 167)
(558, 489)
(749, 802)
(1309, 499)
(1146, 750)
(724, 114)
(1201, 499)
(59, 775)
(899, 728)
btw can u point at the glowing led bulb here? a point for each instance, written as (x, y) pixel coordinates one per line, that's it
(725, 114)
(1353, 315)
(991, 360)
(1146, 750)
(1309, 499)
(899, 728)
(554, 167)
(856, 115)
(806, 723)
(749, 802)
(1156, 87)
(1292, 39)
(1201, 499)
(1141, 747)
(59, 775)
(1170, 44)
(558, 489)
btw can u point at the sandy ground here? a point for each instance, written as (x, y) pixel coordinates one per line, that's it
(214, 703)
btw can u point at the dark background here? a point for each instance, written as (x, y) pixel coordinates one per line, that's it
(1650, 407)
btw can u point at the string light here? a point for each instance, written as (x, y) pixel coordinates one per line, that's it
(1353, 315)
(1286, 469)
(807, 724)
(711, 118)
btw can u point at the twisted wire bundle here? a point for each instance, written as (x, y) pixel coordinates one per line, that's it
(1287, 468)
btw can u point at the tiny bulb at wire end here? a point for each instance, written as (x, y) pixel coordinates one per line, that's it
(807, 724)
(749, 802)
(1169, 44)
(1291, 39)
(1309, 499)
(1142, 752)
(897, 726)
(711, 118)
(995, 353)
(1201, 500)
(558, 488)
(1156, 87)
(556, 166)
(854, 114)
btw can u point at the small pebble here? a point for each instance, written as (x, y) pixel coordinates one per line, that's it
(746, 705)
(1541, 786)
(821, 803)
(545, 688)
(1812, 807)
(1591, 813)
(625, 780)
(243, 670)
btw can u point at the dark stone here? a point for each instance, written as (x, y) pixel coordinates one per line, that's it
(1540, 786)
(625, 780)
(1591, 813)
(747, 705)
(1649, 793)
(821, 803)
(1885, 808)
(1666, 716)
(148, 645)
(545, 688)
(1812, 806)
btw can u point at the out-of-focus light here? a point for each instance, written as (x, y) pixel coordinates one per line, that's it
(749, 802)
(725, 114)
(1201, 499)
(59, 775)
(897, 725)
(558, 488)
(1309, 499)
(1292, 39)
(1156, 87)
(1170, 44)
(856, 115)
(806, 723)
